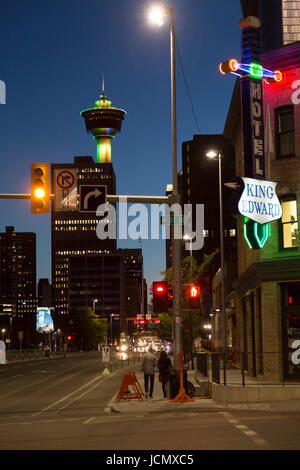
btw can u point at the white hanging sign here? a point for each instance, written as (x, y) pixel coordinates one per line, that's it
(259, 201)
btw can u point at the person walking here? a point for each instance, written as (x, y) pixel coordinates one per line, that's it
(148, 367)
(164, 364)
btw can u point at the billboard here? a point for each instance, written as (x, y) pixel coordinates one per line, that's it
(44, 322)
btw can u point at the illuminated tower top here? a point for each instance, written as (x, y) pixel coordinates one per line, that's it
(103, 121)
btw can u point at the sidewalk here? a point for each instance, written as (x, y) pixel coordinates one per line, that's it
(158, 404)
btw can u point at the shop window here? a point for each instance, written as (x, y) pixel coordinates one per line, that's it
(285, 135)
(289, 223)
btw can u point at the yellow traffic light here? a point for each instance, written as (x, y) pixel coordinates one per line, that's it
(40, 188)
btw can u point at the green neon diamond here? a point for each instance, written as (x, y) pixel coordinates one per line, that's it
(256, 71)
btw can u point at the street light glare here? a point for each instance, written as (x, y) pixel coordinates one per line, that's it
(156, 16)
(211, 154)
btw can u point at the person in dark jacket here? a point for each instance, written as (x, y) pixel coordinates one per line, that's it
(164, 364)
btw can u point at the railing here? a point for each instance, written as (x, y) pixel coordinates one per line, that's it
(120, 363)
(13, 355)
(249, 368)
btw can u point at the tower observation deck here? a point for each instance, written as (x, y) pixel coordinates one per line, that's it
(103, 121)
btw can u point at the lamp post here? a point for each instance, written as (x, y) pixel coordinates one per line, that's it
(157, 16)
(94, 305)
(213, 154)
(189, 238)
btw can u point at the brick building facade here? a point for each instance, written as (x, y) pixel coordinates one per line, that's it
(266, 295)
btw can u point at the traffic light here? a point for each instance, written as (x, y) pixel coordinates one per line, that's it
(160, 297)
(194, 296)
(40, 188)
(69, 338)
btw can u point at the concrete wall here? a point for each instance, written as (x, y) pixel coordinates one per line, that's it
(254, 393)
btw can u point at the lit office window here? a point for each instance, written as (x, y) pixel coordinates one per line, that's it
(289, 223)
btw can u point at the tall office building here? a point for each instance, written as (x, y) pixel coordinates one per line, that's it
(18, 283)
(199, 185)
(280, 21)
(73, 229)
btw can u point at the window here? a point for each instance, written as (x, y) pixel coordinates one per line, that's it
(289, 224)
(285, 132)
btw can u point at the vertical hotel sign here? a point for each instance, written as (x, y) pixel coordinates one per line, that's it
(257, 128)
(252, 105)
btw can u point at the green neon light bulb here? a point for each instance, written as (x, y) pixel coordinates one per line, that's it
(256, 71)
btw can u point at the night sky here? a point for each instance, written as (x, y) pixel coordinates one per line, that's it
(52, 54)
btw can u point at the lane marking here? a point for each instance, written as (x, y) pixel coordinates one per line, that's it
(245, 429)
(65, 397)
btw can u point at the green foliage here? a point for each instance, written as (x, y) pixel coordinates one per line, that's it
(90, 329)
(164, 329)
(191, 271)
(192, 320)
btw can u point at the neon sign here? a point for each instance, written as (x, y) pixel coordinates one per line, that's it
(252, 70)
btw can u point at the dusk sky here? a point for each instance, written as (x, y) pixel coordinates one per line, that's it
(52, 54)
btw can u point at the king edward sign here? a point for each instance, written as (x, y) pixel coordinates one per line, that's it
(259, 201)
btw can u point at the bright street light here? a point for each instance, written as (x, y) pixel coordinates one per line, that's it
(211, 154)
(157, 15)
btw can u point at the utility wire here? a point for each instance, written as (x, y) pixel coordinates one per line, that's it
(187, 86)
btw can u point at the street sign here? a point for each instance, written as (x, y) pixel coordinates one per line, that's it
(106, 354)
(91, 196)
(65, 189)
(173, 220)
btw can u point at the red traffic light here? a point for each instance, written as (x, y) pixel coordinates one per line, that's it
(69, 338)
(160, 296)
(160, 289)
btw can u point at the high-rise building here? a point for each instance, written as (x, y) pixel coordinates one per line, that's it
(74, 231)
(18, 283)
(280, 21)
(199, 185)
(44, 293)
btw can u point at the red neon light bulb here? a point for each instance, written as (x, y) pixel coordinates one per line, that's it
(233, 65)
(277, 76)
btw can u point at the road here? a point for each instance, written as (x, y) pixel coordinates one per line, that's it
(64, 404)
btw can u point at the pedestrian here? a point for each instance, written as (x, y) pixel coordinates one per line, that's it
(164, 364)
(148, 367)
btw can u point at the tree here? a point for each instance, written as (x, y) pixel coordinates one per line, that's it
(89, 328)
(164, 329)
(192, 321)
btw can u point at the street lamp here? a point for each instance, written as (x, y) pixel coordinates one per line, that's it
(189, 238)
(218, 156)
(94, 305)
(157, 16)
